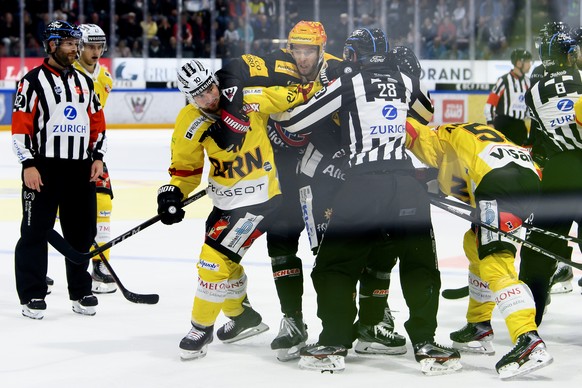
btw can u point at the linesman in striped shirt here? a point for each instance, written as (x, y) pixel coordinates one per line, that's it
(505, 108)
(58, 135)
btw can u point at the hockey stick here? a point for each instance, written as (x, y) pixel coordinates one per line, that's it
(455, 293)
(516, 239)
(131, 296)
(526, 225)
(64, 248)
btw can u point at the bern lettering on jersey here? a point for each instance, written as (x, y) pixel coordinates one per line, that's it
(241, 166)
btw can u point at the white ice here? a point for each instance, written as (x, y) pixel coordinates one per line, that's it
(131, 345)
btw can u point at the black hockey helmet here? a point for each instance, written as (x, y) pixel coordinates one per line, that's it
(60, 29)
(558, 52)
(520, 54)
(548, 30)
(364, 43)
(405, 59)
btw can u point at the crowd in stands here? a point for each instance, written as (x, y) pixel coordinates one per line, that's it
(445, 27)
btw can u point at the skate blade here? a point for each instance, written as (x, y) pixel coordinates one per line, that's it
(539, 358)
(364, 347)
(250, 332)
(562, 287)
(331, 364)
(475, 347)
(103, 288)
(188, 355)
(430, 366)
(289, 354)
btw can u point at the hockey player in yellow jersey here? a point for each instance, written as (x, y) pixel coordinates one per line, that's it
(93, 47)
(479, 166)
(243, 186)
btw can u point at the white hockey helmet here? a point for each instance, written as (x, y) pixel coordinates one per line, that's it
(92, 33)
(194, 78)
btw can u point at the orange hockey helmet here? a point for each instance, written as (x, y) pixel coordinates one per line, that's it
(309, 33)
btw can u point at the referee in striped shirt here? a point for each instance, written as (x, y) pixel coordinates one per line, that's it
(58, 136)
(505, 108)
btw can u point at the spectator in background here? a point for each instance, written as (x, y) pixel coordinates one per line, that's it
(200, 36)
(237, 8)
(263, 35)
(461, 48)
(337, 36)
(246, 34)
(445, 39)
(9, 33)
(232, 40)
(440, 12)
(257, 7)
(497, 40)
(186, 32)
(165, 33)
(122, 50)
(129, 28)
(459, 12)
(222, 14)
(367, 21)
(155, 49)
(149, 27)
(428, 32)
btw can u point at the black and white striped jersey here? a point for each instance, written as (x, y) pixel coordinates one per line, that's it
(551, 103)
(507, 97)
(57, 115)
(372, 105)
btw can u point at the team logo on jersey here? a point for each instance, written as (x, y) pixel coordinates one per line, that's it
(282, 138)
(218, 228)
(70, 112)
(390, 112)
(229, 93)
(565, 105)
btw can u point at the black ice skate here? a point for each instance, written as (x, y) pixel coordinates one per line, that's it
(323, 358)
(49, 285)
(34, 309)
(292, 336)
(526, 356)
(436, 359)
(195, 343)
(246, 325)
(379, 339)
(103, 282)
(86, 305)
(562, 280)
(474, 338)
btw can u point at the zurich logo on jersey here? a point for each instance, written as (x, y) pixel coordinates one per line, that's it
(390, 112)
(70, 112)
(565, 105)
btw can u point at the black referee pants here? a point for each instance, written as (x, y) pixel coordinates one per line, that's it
(66, 189)
(377, 217)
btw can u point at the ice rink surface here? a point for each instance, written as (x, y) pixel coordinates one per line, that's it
(131, 345)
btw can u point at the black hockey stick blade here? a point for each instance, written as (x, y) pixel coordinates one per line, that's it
(65, 249)
(455, 293)
(131, 296)
(509, 236)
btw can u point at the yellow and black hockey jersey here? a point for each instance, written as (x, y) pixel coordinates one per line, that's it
(101, 79)
(235, 180)
(464, 153)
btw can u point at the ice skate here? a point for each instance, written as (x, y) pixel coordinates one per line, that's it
(379, 339)
(562, 280)
(474, 338)
(195, 343)
(526, 356)
(436, 359)
(103, 282)
(34, 309)
(291, 338)
(49, 285)
(323, 358)
(86, 305)
(246, 325)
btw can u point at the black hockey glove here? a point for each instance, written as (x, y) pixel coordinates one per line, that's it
(229, 132)
(170, 204)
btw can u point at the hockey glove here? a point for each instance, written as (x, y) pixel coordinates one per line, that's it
(229, 132)
(170, 204)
